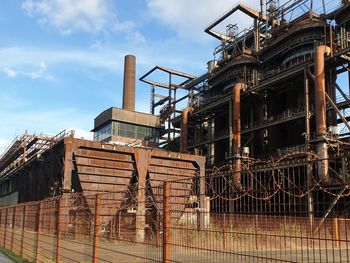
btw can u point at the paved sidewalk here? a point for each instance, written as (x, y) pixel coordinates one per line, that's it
(5, 259)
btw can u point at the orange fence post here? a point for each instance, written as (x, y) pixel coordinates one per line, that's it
(13, 226)
(96, 227)
(1, 219)
(37, 245)
(58, 230)
(5, 225)
(22, 229)
(166, 222)
(336, 231)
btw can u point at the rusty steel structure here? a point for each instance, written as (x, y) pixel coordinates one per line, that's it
(69, 165)
(272, 92)
(165, 104)
(253, 163)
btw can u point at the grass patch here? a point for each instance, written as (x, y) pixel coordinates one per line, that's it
(13, 256)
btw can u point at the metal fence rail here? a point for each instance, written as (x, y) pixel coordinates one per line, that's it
(77, 228)
(258, 232)
(176, 225)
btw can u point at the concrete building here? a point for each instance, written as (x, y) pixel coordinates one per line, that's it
(125, 125)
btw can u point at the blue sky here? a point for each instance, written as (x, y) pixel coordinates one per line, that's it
(61, 61)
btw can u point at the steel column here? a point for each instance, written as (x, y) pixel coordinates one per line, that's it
(184, 129)
(310, 200)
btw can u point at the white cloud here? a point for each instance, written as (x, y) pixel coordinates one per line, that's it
(39, 72)
(123, 26)
(96, 45)
(136, 38)
(9, 72)
(190, 17)
(71, 15)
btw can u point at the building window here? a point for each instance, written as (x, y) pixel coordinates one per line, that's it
(135, 131)
(127, 130)
(103, 133)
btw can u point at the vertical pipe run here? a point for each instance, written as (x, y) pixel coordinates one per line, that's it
(310, 200)
(173, 106)
(184, 129)
(236, 116)
(25, 151)
(152, 99)
(320, 89)
(204, 202)
(320, 110)
(256, 36)
(169, 117)
(236, 129)
(129, 83)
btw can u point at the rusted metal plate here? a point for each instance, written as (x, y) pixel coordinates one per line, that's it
(169, 161)
(103, 163)
(172, 171)
(104, 155)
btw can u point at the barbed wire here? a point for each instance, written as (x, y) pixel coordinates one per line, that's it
(275, 180)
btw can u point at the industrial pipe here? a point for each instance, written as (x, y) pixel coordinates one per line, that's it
(320, 112)
(184, 129)
(320, 89)
(236, 129)
(129, 83)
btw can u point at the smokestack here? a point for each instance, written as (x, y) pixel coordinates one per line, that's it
(129, 83)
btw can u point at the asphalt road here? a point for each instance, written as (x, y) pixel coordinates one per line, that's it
(5, 259)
